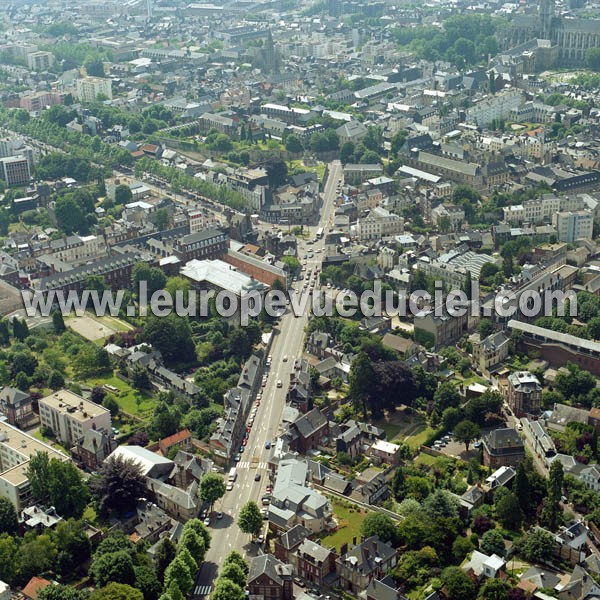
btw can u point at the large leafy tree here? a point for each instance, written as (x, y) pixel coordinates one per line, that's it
(234, 557)
(117, 591)
(494, 589)
(250, 518)
(508, 511)
(466, 432)
(362, 381)
(234, 573)
(194, 543)
(120, 485)
(9, 558)
(225, 589)
(8, 517)
(62, 592)
(37, 554)
(164, 556)
(212, 487)
(178, 572)
(113, 567)
(459, 585)
(492, 542)
(551, 512)
(172, 336)
(537, 546)
(380, 525)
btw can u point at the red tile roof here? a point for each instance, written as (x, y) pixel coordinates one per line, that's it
(35, 586)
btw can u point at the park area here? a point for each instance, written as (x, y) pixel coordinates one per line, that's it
(130, 401)
(350, 518)
(405, 425)
(94, 328)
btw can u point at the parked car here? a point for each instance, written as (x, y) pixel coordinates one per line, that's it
(257, 477)
(267, 445)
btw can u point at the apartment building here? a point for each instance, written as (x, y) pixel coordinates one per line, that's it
(40, 60)
(573, 225)
(490, 352)
(538, 210)
(69, 416)
(379, 223)
(209, 243)
(448, 217)
(524, 393)
(494, 107)
(74, 249)
(16, 449)
(15, 170)
(88, 89)
(38, 101)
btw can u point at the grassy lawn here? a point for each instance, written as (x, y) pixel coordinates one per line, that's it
(391, 429)
(349, 521)
(131, 401)
(426, 459)
(113, 323)
(400, 423)
(419, 436)
(38, 436)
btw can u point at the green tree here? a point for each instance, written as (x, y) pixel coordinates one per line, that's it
(9, 558)
(551, 515)
(120, 485)
(194, 543)
(165, 554)
(58, 322)
(466, 432)
(458, 584)
(234, 573)
(8, 517)
(117, 591)
(446, 396)
(172, 336)
(72, 544)
(293, 144)
(508, 512)
(461, 548)
(250, 519)
(592, 59)
(494, 589)
(37, 554)
(225, 589)
(147, 582)
(123, 194)
(113, 567)
(179, 573)
(93, 66)
(537, 546)
(62, 592)
(361, 380)
(522, 489)
(38, 474)
(212, 488)
(234, 557)
(492, 542)
(380, 525)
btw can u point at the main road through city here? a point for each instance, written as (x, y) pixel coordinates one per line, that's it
(288, 345)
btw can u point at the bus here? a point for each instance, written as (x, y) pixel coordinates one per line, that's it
(319, 233)
(232, 475)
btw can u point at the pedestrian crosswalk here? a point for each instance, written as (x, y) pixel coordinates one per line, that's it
(244, 464)
(202, 590)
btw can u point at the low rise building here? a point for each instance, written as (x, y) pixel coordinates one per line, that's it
(70, 416)
(524, 393)
(502, 447)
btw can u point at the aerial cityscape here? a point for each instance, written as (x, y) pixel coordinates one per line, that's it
(299, 300)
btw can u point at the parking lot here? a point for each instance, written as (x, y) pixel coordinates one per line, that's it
(457, 449)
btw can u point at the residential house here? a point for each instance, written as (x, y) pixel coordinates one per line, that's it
(349, 441)
(309, 431)
(270, 579)
(368, 560)
(288, 542)
(386, 452)
(524, 393)
(562, 415)
(502, 447)
(315, 563)
(17, 407)
(93, 447)
(482, 566)
(317, 344)
(182, 440)
(491, 352)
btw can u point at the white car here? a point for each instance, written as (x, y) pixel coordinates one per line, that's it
(229, 486)
(285, 358)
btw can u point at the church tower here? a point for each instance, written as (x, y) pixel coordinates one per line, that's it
(546, 11)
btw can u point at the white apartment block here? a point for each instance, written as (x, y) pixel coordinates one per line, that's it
(452, 214)
(379, 223)
(40, 60)
(69, 416)
(573, 225)
(541, 209)
(16, 449)
(494, 107)
(88, 89)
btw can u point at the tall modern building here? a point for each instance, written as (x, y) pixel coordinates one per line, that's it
(88, 89)
(573, 225)
(15, 170)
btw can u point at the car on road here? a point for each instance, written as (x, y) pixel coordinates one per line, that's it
(241, 449)
(285, 358)
(229, 486)
(237, 458)
(299, 582)
(260, 539)
(477, 445)
(265, 513)
(219, 515)
(207, 521)
(268, 445)
(244, 442)
(204, 513)
(257, 477)
(279, 383)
